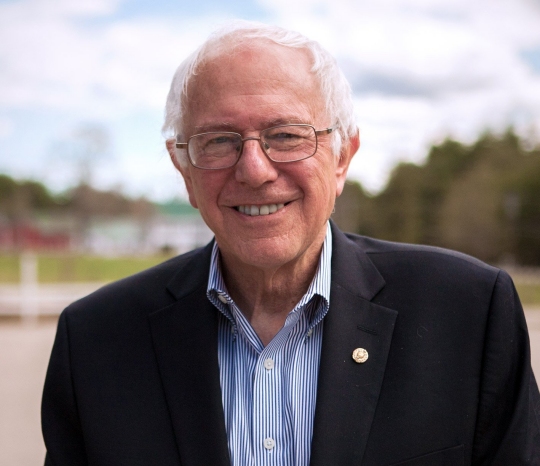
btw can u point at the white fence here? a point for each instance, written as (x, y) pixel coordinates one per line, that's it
(29, 298)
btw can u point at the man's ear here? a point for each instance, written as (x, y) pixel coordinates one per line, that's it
(184, 171)
(348, 150)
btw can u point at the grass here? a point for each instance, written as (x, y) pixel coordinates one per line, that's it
(91, 268)
(9, 268)
(529, 293)
(77, 268)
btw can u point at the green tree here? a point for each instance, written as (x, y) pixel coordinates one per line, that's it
(482, 199)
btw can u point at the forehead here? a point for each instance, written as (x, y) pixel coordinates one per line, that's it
(250, 84)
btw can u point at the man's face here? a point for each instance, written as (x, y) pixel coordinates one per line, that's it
(250, 90)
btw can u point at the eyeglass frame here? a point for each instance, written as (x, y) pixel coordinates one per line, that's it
(318, 132)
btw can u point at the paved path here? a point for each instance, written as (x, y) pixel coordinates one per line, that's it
(24, 352)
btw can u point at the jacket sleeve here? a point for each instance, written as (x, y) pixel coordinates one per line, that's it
(59, 416)
(508, 420)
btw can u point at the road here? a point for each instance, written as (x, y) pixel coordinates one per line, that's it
(24, 352)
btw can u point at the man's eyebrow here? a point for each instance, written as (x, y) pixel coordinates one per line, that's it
(225, 126)
(287, 121)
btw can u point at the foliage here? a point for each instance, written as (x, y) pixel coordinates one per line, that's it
(18, 198)
(482, 199)
(21, 199)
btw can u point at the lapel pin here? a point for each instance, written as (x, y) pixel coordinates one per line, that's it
(360, 355)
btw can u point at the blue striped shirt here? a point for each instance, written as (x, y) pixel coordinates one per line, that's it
(269, 393)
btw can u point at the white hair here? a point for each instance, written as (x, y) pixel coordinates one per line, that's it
(334, 87)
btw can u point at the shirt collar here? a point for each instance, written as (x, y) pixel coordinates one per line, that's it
(217, 293)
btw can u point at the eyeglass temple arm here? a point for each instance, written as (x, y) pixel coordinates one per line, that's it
(181, 145)
(325, 131)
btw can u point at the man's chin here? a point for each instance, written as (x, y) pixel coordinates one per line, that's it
(261, 253)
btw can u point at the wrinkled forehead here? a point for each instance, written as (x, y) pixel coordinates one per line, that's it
(236, 46)
(260, 65)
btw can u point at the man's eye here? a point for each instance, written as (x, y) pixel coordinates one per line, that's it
(283, 137)
(220, 140)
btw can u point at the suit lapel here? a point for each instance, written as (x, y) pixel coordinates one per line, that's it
(348, 392)
(185, 343)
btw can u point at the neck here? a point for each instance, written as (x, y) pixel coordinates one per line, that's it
(267, 295)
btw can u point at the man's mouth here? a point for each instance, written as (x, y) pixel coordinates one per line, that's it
(255, 210)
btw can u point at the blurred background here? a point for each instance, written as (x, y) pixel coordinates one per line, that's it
(447, 97)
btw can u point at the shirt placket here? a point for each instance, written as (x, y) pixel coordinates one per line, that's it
(267, 409)
(301, 413)
(270, 445)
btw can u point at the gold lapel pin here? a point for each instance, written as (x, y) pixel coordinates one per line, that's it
(360, 355)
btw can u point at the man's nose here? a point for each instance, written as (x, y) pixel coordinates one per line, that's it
(254, 167)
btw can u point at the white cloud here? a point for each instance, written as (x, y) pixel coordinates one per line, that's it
(18, 10)
(52, 58)
(420, 69)
(425, 69)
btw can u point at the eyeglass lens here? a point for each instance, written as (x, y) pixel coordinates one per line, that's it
(281, 144)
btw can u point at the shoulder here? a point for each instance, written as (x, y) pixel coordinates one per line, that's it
(421, 259)
(416, 276)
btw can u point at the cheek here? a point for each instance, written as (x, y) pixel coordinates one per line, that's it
(321, 187)
(189, 188)
(326, 179)
(206, 187)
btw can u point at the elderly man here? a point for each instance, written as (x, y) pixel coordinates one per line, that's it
(285, 341)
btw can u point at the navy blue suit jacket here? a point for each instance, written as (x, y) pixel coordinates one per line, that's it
(134, 378)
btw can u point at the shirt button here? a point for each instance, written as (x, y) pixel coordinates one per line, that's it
(269, 443)
(222, 298)
(269, 365)
(310, 331)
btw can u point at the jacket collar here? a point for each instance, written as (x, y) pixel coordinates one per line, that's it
(185, 344)
(348, 392)
(192, 272)
(184, 335)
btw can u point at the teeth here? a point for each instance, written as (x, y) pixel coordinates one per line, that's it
(254, 210)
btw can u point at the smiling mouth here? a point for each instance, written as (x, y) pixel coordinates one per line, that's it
(254, 210)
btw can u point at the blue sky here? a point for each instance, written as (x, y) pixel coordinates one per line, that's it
(202, 8)
(421, 70)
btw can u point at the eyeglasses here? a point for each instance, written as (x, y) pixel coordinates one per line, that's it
(283, 143)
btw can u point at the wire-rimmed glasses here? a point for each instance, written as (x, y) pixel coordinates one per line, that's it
(283, 143)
